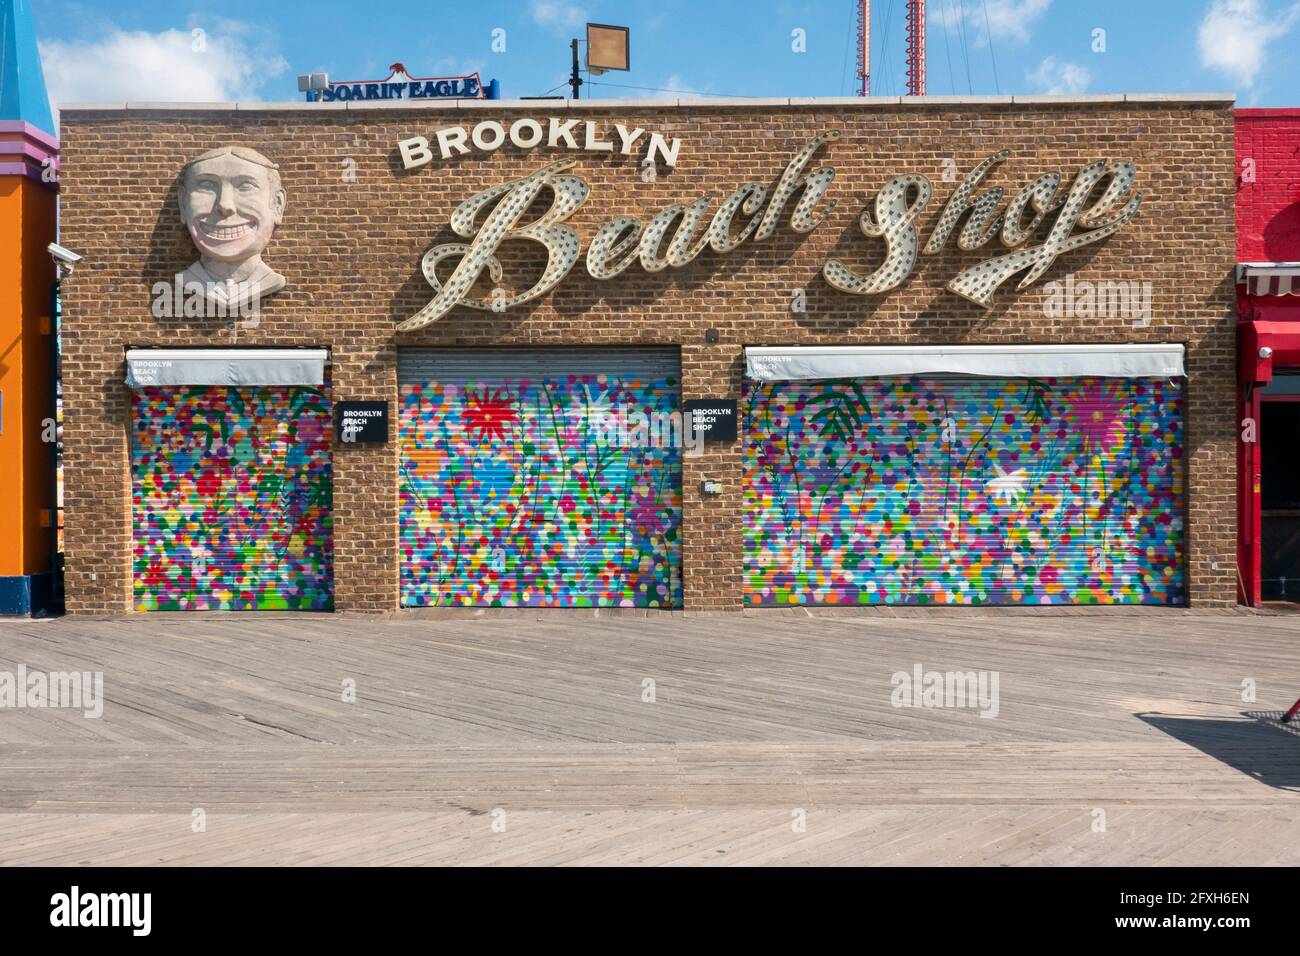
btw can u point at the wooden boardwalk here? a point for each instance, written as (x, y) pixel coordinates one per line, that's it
(524, 737)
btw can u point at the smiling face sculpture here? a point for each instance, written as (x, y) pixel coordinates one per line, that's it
(231, 200)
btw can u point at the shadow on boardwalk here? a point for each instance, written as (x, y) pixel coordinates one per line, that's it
(1260, 746)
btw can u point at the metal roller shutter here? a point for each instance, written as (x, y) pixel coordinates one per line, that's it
(232, 497)
(964, 491)
(520, 488)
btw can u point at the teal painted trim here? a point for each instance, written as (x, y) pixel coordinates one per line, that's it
(22, 82)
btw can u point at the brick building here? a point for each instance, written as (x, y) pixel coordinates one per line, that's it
(1268, 312)
(897, 441)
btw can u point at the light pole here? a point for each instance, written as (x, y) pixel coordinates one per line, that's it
(575, 79)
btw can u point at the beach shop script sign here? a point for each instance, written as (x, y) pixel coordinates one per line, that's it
(1094, 205)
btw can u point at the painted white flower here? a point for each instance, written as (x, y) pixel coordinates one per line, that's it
(1008, 487)
(595, 413)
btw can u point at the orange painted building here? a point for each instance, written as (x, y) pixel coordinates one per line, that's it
(28, 223)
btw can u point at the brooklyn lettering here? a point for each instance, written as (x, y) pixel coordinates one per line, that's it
(527, 133)
(675, 236)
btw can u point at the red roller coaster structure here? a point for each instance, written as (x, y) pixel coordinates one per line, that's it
(915, 47)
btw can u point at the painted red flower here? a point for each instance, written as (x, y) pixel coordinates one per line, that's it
(208, 484)
(154, 576)
(489, 413)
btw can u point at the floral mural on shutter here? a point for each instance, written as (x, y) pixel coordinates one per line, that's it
(964, 491)
(232, 499)
(518, 493)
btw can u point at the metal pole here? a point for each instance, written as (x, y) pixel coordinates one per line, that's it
(56, 376)
(864, 47)
(575, 80)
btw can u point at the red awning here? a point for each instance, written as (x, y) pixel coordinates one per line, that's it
(1265, 345)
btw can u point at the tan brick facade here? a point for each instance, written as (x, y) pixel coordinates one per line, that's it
(350, 251)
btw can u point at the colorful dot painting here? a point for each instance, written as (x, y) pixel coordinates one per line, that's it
(232, 492)
(516, 493)
(964, 491)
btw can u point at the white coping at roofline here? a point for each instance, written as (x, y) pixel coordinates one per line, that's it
(543, 105)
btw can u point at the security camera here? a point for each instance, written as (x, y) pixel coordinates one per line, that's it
(65, 256)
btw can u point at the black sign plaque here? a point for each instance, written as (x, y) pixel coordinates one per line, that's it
(358, 423)
(712, 419)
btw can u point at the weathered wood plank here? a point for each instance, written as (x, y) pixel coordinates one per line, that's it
(1138, 713)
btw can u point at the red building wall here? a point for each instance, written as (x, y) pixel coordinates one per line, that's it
(1268, 230)
(1268, 185)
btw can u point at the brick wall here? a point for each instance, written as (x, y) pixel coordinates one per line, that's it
(350, 251)
(1268, 185)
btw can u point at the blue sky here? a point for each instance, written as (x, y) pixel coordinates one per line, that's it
(254, 49)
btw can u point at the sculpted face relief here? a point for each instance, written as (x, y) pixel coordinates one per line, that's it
(676, 235)
(231, 200)
(230, 204)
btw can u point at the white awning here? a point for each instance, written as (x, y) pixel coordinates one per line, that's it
(150, 368)
(1269, 278)
(777, 364)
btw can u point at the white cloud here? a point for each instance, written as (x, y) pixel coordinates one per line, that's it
(558, 15)
(171, 65)
(682, 88)
(1014, 19)
(1059, 76)
(1006, 19)
(1234, 37)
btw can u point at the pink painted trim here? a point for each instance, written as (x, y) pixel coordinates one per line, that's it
(30, 131)
(28, 169)
(21, 148)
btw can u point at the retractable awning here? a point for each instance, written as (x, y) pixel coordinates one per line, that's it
(778, 364)
(150, 368)
(1269, 278)
(1264, 346)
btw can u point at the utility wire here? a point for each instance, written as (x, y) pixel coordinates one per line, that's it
(947, 51)
(848, 36)
(989, 30)
(660, 89)
(884, 48)
(965, 48)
